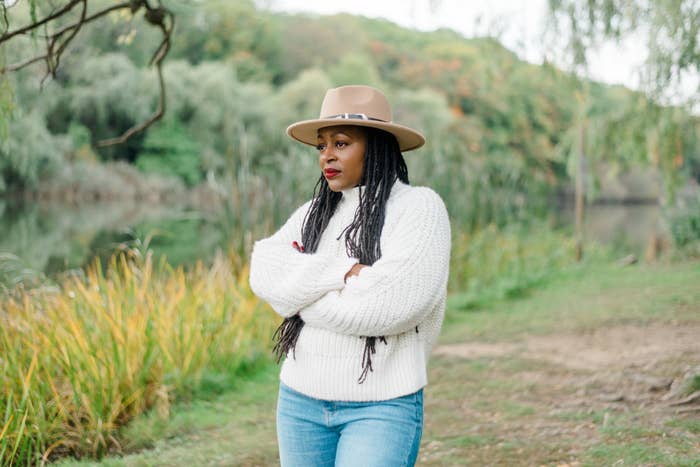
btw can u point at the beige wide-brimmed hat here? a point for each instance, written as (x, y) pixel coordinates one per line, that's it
(355, 105)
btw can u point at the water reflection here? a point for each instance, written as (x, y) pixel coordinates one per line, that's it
(627, 227)
(55, 237)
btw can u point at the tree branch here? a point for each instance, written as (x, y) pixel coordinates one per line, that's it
(157, 115)
(7, 36)
(20, 65)
(158, 56)
(53, 64)
(156, 15)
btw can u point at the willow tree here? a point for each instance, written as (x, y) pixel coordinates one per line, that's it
(663, 135)
(670, 30)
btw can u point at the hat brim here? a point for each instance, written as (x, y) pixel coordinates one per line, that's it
(306, 131)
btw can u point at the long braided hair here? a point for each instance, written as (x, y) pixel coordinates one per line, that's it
(383, 165)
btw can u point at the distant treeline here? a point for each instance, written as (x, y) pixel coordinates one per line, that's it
(499, 129)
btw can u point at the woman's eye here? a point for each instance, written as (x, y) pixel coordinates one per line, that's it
(320, 147)
(340, 144)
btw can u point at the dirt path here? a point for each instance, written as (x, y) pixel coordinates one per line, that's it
(558, 399)
(607, 348)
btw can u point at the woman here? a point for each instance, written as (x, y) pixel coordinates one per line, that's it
(359, 274)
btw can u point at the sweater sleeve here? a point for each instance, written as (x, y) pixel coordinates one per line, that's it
(398, 291)
(289, 280)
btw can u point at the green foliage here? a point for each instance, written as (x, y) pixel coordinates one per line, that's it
(355, 68)
(6, 100)
(221, 30)
(32, 10)
(495, 264)
(694, 384)
(107, 95)
(684, 223)
(312, 43)
(169, 149)
(79, 134)
(670, 30)
(29, 152)
(496, 127)
(14, 272)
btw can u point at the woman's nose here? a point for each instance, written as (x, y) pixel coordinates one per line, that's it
(327, 155)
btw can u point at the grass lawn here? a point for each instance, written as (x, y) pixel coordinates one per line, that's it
(584, 370)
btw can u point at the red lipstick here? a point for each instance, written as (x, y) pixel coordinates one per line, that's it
(330, 173)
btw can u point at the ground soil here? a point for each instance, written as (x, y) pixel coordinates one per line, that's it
(562, 392)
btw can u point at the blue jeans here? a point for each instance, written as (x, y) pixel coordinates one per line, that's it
(313, 432)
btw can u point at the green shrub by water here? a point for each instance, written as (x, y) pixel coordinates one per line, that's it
(495, 263)
(684, 223)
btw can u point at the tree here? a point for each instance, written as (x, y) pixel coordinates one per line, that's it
(671, 30)
(653, 134)
(63, 20)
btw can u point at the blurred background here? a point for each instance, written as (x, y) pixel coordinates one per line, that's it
(563, 135)
(504, 125)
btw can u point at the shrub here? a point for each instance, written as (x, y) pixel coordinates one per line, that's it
(684, 223)
(495, 263)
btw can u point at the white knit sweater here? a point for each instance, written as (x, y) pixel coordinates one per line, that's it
(404, 289)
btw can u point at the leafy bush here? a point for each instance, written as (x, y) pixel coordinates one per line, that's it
(170, 150)
(495, 263)
(684, 223)
(29, 152)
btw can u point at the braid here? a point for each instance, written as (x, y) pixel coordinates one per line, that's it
(315, 222)
(383, 165)
(319, 214)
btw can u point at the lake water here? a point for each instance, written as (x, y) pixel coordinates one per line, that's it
(52, 237)
(627, 227)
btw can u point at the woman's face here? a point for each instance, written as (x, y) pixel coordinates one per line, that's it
(341, 155)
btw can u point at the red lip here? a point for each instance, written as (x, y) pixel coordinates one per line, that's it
(330, 173)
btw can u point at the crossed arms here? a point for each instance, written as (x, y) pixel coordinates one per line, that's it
(390, 297)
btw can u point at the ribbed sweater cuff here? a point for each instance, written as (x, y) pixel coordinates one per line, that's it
(333, 275)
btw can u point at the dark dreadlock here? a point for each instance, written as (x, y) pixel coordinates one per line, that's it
(383, 165)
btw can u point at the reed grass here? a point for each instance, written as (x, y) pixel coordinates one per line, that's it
(79, 360)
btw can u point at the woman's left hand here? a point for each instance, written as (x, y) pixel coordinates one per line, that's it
(354, 270)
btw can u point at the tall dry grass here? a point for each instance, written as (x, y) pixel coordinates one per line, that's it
(80, 360)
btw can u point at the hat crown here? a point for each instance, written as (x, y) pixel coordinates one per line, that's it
(356, 99)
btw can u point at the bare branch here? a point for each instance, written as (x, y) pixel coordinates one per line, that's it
(56, 44)
(20, 65)
(62, 47)
(157, 59)
(51, 39)
(94, 16)
(157, 115)
(4, 16)
(7, 36)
